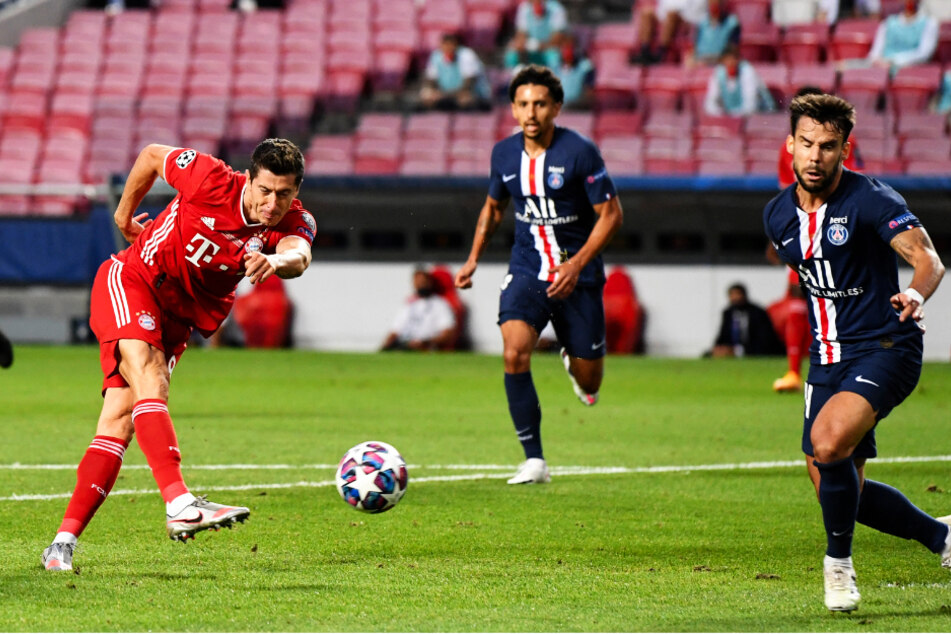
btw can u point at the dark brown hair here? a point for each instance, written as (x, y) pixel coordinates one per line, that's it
(278, 156)
(823, 108)
(540, 76)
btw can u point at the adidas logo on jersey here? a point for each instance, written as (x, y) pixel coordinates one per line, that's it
(209, 222)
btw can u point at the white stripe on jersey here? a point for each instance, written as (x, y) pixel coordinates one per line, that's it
(152, 244)
(120, 305)
(830, 350)
(109, 446)
(546, 244)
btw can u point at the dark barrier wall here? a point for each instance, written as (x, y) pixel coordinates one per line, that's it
(667, 221)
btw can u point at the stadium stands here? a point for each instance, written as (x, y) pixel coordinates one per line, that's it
(80, 100)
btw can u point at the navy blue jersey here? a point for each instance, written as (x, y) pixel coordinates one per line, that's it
(554, 196)
(846, 265)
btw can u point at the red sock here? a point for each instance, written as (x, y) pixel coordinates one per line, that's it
(797, 337)
(156, 436)
(95, 476)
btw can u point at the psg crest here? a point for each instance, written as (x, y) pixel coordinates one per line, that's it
(555, 180)
(837, 234)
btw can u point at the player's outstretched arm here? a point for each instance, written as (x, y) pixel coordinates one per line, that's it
(610, 218)
(147, 167)
(916, 248)
(489, 220)
(291, 259)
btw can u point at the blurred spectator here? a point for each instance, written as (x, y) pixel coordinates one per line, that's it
(539, 28)
(454, 78)
(902, 39)
(576, 73)
(6, 352)
(426, 322)
(944, 95)
(715, 32)
(667, 17)
(445, 286)
(940, 10)
(745, 329)
(735, 89)
(264, 315)
(859, 9)
(623, 314)
(787, 12)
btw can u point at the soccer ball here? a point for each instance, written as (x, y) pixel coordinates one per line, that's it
(372, 477)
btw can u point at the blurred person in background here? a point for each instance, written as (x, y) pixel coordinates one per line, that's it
(714, 33)
(902, 39)
(426, 321)
(745, 328)
(454, 78)
(6, 351)
(178, 275)
(663, 20)
(735, 88)
(540, 26)
(576, 72)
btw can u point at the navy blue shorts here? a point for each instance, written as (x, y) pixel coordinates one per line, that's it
(578, 320)
(883, 377)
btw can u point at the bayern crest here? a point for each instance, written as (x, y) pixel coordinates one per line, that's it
(837, 234)
(254, 244)
(147, 321)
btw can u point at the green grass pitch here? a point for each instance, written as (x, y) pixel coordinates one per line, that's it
(691, 548)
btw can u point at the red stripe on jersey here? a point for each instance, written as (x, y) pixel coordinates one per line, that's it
(824, 330)
(543, 233)
(812, 234)
(531, 177)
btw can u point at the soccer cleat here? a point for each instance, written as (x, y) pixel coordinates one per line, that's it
(946, 553)
(789, 382)
(532, 471)
(58, 556)
(584, 397)
(202, 515)
(842, 594)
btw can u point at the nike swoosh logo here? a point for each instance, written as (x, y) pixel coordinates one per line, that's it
(595, 346)
(191, 520)
(839, 533)
(860, 379)
(508, 177)
(785, 242)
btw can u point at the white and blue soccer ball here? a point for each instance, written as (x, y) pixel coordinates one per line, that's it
(372, 477)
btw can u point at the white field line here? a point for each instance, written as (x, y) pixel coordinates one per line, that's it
(558, 471)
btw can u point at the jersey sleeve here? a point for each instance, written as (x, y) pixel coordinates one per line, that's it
(497, 189)
(597, 182)
(192, 173)
(895, 218)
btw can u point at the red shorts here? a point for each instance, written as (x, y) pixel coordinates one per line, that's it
(123, 306)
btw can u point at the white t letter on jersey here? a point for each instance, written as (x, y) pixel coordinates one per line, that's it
(199, 252)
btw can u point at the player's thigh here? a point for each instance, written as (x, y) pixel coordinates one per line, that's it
(524, 298)
(820, 389)
(579, 322)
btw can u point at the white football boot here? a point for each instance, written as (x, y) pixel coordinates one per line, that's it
(946, 553)
(584, 397)
(58, 556)
(842, 594)
(202, 515)
(532, 471)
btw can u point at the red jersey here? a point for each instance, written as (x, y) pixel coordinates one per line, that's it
(192, 254)
(787, 177)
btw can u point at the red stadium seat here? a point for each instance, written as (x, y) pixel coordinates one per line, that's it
(852, 38)
(380, 126)
(669, 125)
(763, 149)
(885, 149)
(423, 167)
(375, 166)
(662, 87)
(751, 12)
(473, 126)
(804, 43)
(924, 125)
(71, 112)
(390, 70)
(864, 87)
(929, 167)
(922, 149)
(759, 42)
(612, 123)
(912, 87)
(580, 122)
(943, 54)
(721, 167)
(618, 36)
(719, 128)
(616, 87)
(874, 125)
(430, 125)
(821, 76)
(696, 89)
(425, 149)
(720, 149)
(775, 76)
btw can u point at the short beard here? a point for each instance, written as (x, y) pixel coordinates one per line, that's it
(822, 185)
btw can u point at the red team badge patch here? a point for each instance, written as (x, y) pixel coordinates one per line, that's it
(146, 321)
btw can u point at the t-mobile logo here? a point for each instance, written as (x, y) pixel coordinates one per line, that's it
(200, 251)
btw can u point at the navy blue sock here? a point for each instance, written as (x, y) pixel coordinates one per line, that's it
(839, 498)
(525, 411)
(886, 509)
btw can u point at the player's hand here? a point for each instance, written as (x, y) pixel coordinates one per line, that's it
(464, 275)
(566, 278)
(909, 307)
(136, 225)
(258, 267)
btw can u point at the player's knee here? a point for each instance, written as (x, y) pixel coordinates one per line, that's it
(516, 360)
(828, 448)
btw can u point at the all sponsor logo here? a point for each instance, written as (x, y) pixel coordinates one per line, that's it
(185, 158)
(837, 234)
